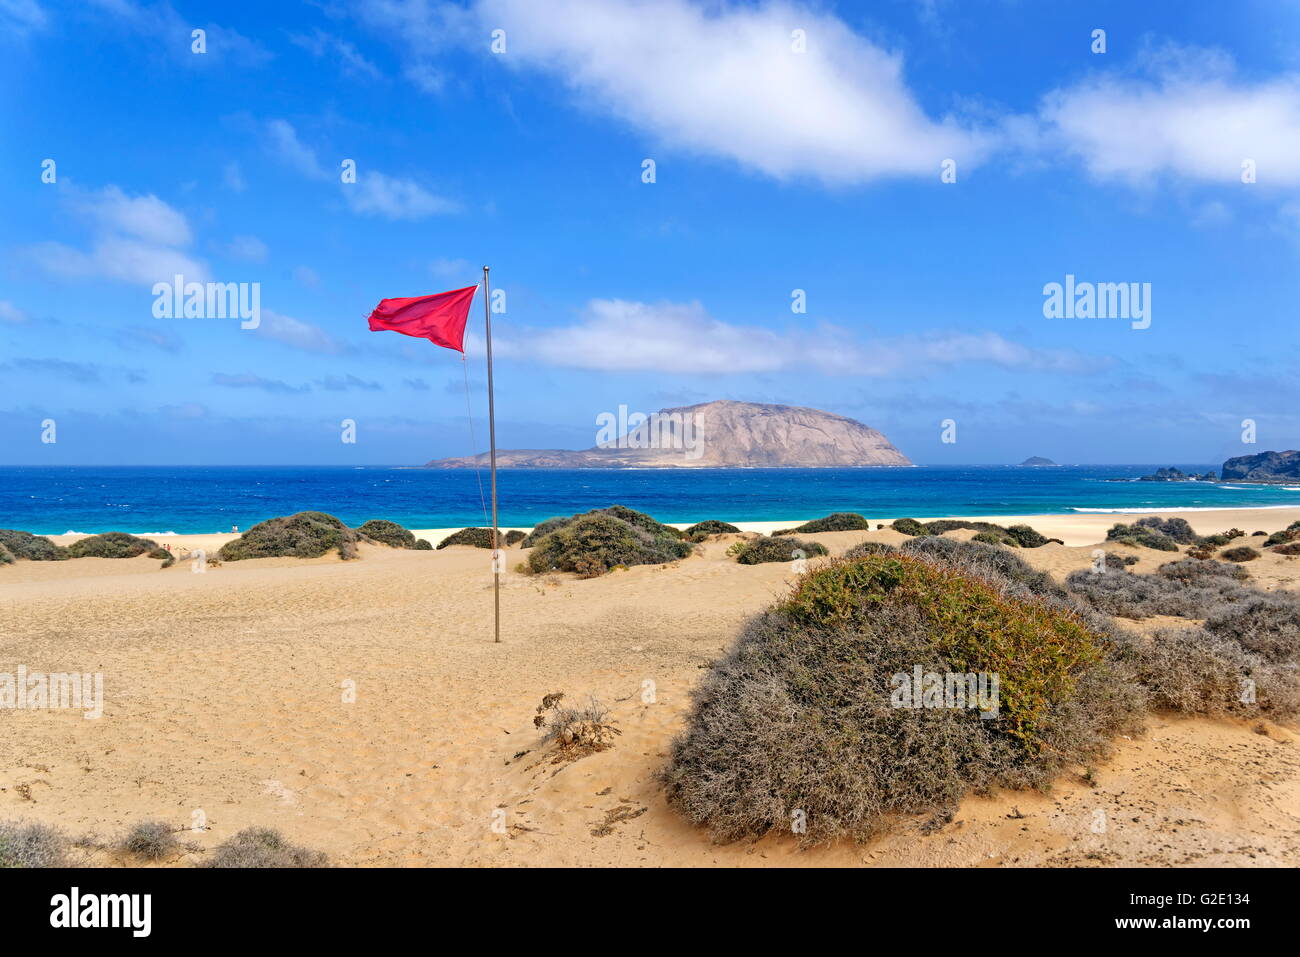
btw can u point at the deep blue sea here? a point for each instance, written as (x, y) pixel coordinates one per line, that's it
(51, 501)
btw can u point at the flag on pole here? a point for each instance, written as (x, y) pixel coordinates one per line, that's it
(440, 318)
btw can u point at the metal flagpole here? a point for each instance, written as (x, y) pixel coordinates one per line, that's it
(492, 445)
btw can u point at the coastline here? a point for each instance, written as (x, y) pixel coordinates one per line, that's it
(1073, 528)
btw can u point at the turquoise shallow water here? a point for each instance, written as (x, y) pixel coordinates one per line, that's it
(51, 501)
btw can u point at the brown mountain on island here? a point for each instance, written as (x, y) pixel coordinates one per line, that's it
(1266, 467)
(721, 434)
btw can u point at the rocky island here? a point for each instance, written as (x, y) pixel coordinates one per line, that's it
(1270, 468)
(719, 434)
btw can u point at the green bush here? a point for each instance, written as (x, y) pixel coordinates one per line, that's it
(473, 537)
(1176, 528)
(993, 538)
(119, 545)
(597, 542)
(864, 549)
(422, 545)
(702, 530)
(835, 522)
(1141, 535)
(1288, 534)
(621, 512)
(545, 528)
(758, 551)
(34, 548)
(388, 533)
(909, 526)
(263, 847)
(797, 716)
(6, 556)
(514, 537)
(1242, 553)
(998, 565)
(302, 535)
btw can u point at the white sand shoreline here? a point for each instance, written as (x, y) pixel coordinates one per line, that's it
(1073, 528)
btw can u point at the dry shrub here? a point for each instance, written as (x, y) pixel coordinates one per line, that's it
(758, 551)
(263, 847)
(32, 845)
(988, 562)
(909, 526)
(702, 530)
(797, 715)
(473, 537)
(1267, 624)
(835, 522)
(34, 548)
(302, 535)
(1184, 593)
(150, 840)
(1141, 535)
(1176, 528)
(864, 549)
(597, 542)
(1289, 549)
(1195, 671)
(1242, 553)
(575, 731)
(390, 533)
(119, 545)
(6, 556)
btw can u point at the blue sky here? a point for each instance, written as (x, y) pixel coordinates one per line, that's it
(776, 169)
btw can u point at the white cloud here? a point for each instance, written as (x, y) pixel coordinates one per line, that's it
(724, 81)
(444, 268)
(283, 143)
(11, 313)
(1189, 115)
(145, 217)
(615, 335)
(376, 194)
(138, 239)
(22, 16)
(298, 334)
(321, 44)
(247, 249)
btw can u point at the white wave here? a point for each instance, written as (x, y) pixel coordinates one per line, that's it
(1177, 508)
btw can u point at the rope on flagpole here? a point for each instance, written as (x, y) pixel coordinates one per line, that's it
(473, 442)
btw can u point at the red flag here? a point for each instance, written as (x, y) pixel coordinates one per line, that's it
(440, 318)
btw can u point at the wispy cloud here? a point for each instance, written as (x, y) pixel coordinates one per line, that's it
(283, 143)
(11, 313)
(247, 380)
(348, 383)
(22, 16)
(321, 44)
(298, 334)
(391, 197)
(619, 336)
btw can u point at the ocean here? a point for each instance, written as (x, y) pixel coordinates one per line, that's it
(158, 500)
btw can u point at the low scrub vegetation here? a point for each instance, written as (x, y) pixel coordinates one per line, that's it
(119, 545)
(594, 543)
(1141, 536)
(473, 537)
(869, 548)
(1288, 534)
(514, 537)
(1289, 549)
(390, 533)
(1242, 553)
(6, 556)
(759, 551)
(798, 720)
(302, 535)
(702, 530)
(33, 548)
(989, 533)
(835, 522)
(150, 841)
(909, 526)
(263, 847)
(32, 845)
(1176, 528)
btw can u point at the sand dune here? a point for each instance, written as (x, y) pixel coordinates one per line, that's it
(225, 696)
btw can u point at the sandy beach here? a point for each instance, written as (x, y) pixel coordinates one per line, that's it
(226, 702)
